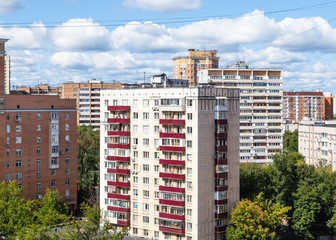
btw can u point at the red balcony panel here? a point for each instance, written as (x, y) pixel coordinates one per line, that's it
(118, 133)
(221, 215)
(123, 222)
(118, 108)
(171, 202)
(222, 175)
(221, 135)
(122, 146)
(171, 189)
(221, 162)
(172, 135)
(172, 121)
(171, 230)
(220, 229)
(171, 216)
(118, 196)
(221, 149)
(119, 171)
(221, 202)
(118, 158)
(118, 120)
(118, 209)
(172, 162)
(118, 184)
(221, 121)
(172, 175)
(223, 188)
(172, 149)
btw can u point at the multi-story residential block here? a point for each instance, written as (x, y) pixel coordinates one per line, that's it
(7, 72)
(317, 143)
(298, 106)
(87, 97)
(41, 89)
(260, 108)
(186, 67)
(38, 142)
(169, 160)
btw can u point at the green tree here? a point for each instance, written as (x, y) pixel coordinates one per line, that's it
(256, 219)
(87, 163)
(290, 141)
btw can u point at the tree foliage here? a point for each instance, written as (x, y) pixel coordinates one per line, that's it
(87, 163)
(290, 141)
(256, 219)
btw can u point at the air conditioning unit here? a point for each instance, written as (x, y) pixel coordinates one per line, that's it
(157, 147)
(134, 146)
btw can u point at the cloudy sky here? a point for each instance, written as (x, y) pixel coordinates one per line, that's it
(53, 41)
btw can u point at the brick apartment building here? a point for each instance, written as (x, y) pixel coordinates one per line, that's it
(170, 160)
(41, 89)
(39, 142)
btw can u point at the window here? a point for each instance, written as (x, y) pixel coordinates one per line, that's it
(189, 184)
(38, 173)
(156, 233)
(8, 128)
(135, 231)
(156, 208)
(8, 164)
(18, 175)
(67, 160)
(67, 116)
(145, 194)
(67, 127)
(189, 157)
(189, 116)
(67, 149)
(18, 128)
(146, 167)
(39, 196)
(135, 115)
(18, 140)
(38, 185)
(156, 115)
(135, 102)
(18, 152)
(189, 143)
(38, 139)
(189, 198)
(156, 129)
(53, 183)
(156, 181)
(67, 181)
(18, 163)
(145, 103)
(156, 155)
(145, 154)
(38, 116)
(54, 149)
(156, 195)
(189, 102)
(189, 226)
(18, 117)
(146, 128)
(135, 128)
(38, 150)
(67, 138)
(54, 115)
(189, 130)
(145, 232)
(189, 171)
(135, 192)
(135, 179)
(156, 168)
(53, 172)
(38, 128)
(135, 154)
(146, 141)
(189, 212)
(145, 206)
(145, 220)
(67, 171)
(145, 115)
(146, 180)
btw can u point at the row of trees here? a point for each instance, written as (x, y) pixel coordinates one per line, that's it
(307, 193)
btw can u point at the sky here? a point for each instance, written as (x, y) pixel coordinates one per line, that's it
(54, 41)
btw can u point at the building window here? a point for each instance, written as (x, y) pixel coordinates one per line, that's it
(135, 231)
(67, 181)
(189, 102)
(135, 102)
(67, 171)
(38, 128)
(156, 168)
(189, 157)
(156, 155)
(38, 150)
(18, 128)
(67, 116)
(189, 198)
(8, 164)
(146, 128)
(38, 185)
(53, 183)
(189, 226)
(156, 129)
(135, 179)
(38, 139)
(135, 115)
(18, 175)
(189, 143)
(189, 130)
(189, 212)
(8, 128)
(146, 180)
(135, 128)
(156, 115)
(145, 206)
(156, 233)
(67, 149)
(67, 127)
(156, 195)
(145, 103)
(145, 220)
(135, 154)
(38, 162)
(18, 117)
(189, 116)
(145, 154)
(18, 163)
(39, 196)
(67, 138)
(145, 231)
(54, 115)
(145, 194)
(189, 171)
(18, 152)
(67, 160)
(53, 172)
(156, 208)
(38, 116)
(135, 192)
(156, 181)
(18, 140)
(38, 173)
(54, 149)
(146, 141)
(189, 185)
(146, 167)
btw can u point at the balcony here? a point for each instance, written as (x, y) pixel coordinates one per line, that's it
(118, 184)
(118, 145)
(172, 149)
(118, 108)
(172, 135)
(221, 135)
(171, 216)
(172, 175)
(171, 230)
(221, 215)
(118, 158)
(221, 148)
(118, 133)
(171, 189)
(171, 202)
(123, 222)
(118, 171)
(172, 162)
(172, 121)
(221, 121)
(118, 209)
(221, 175)
(118, 196)
(220, 228)
(221, 188)
(118, 120)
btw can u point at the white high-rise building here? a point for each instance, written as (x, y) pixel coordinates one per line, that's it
(169, 160)
(260, 108)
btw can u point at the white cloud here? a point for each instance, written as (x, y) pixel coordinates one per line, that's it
(8, 6)
(165, 6)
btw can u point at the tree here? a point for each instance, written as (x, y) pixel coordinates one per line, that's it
(256, 219)
(87, 163)
(290, 141)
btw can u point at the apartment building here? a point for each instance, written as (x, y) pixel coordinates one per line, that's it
(260, 107)
(186, 67)
(87, 97)
(169, 160)
(41, 89)
(299, 106)
(317, 143)
(7, 72)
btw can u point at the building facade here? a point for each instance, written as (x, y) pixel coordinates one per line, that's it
(260, 108)
(186, 67)
(87, 97)
(7, 72)
(299, 106)
(169, 160)
(41, 89)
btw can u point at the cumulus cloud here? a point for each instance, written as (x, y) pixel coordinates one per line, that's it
(165, 6)
(8, 6)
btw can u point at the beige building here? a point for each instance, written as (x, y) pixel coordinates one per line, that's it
(170, 160)
(187, 67)
(260, 108)
(7, 74)
(41, 89)
(317, 143)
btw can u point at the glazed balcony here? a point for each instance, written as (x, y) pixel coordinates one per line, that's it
(118, 209)
(172, 149)
(118, 196)
(171, 202)
(118, 133)
(118, 158)
(221, 215)
(118, 108)
(172, 162)
(172, 175)
(172, 121)
(221, 135)
(171, 189)
(118, 145)
(118, 120)
(118, 171)
(172, 135)
(118, 184)
(171, 216)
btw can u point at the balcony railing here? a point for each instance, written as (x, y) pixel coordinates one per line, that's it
(171, 202)
(171, 230)
(171, 189)
(172, 121)
(118, 158)
(118, 209)
(118, 171)
(118, 196)
(172, 149)
(118, 145)
(118, 108)
(118, 184)
(118, 120)
(171, 216)
(118, 133)
(172, 175)
(172, 162)
(172, 135)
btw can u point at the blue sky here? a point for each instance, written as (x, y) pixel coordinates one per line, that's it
(53, 41)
